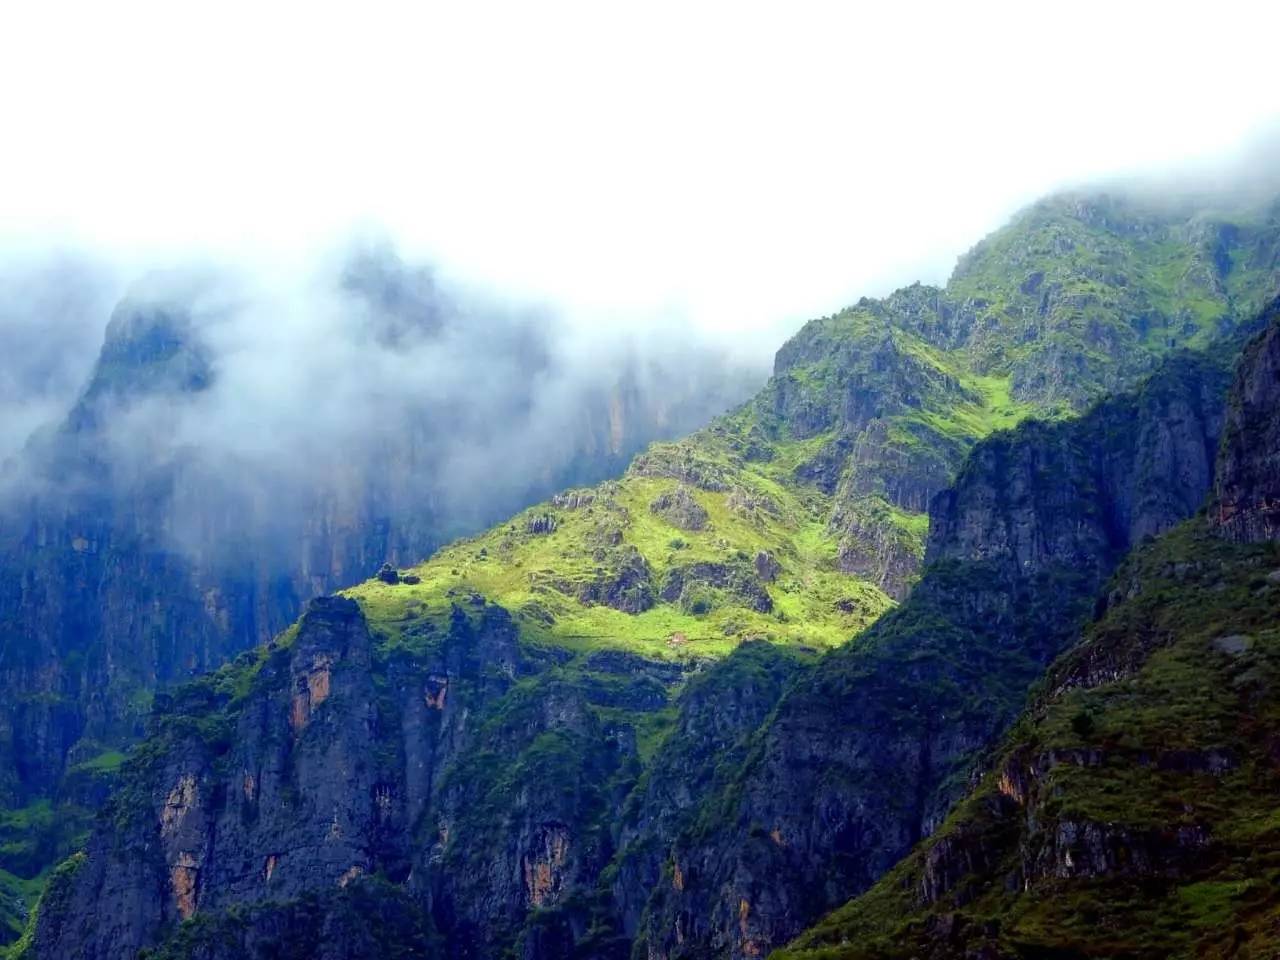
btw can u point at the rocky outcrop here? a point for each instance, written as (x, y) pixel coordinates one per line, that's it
(1130, 469)
(695, 586)
(626, 584)
(324, 764)
(767, 566)
(1247, 496)
(679, 508)
(279, 797)
(541, 524)
(682, 462)
(573, 499)
(876, 546)
(719, 714)
(1089, 808)
(1127, 789)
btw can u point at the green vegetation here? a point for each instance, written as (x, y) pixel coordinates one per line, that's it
(794, 521)
(1131, 812)
(49, 887)
(108, 761)
(18, 896)
(871, 411)
(547, 579)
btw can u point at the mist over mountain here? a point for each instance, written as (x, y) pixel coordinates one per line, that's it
(682, 482)
(722, 665)
(232, 444)
(52, 309)
(263, 392)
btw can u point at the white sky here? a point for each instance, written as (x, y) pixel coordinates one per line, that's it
(740, 166)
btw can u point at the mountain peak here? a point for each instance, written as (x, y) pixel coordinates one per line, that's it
(151, 347)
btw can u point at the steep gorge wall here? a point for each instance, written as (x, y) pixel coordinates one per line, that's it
(1247, 493)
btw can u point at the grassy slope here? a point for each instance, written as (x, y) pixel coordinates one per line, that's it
(1123, 296)
(814, 604)
(1190, 698)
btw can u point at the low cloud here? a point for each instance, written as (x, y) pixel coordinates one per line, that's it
(363, 400)
(52, 308)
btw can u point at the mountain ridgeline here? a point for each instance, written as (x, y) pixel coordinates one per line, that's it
(687, 712)
(1130, 812)
(137, 551)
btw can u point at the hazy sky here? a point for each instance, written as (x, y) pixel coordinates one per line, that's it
(741, 166)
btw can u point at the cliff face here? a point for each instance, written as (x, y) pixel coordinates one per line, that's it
(866, 753)
(1129, 813)
(470, 776)
(1247, 496)
(1078, 297)
(129, 562)
(193, 827)
(134, 556)
(1070, 494)
(305, 772)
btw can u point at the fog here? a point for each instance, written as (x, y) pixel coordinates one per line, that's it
(483, 250)
(52, 311)
(735, 168)
(359, 405)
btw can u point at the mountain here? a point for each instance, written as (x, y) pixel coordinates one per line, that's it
(630, 720)
(138, 551)
(1130, 811)
(865, 753)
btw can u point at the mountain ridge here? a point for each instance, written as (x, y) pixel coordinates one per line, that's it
(625, 618)
(1126, 814)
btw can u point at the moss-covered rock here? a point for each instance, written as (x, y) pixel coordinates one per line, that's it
(679, 508)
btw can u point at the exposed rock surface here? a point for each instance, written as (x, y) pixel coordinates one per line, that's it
(697, 582)
(1121, 816)
(626, 584)
(1074, 494)
(130, 562)
(322, 764)
(484, 778)
(680, 509)
(1247, 502)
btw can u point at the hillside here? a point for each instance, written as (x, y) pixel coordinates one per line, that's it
(611, 724)
(829, 471)
(136, 554)
(1130, 812)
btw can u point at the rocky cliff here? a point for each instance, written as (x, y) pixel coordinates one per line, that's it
(1130, 811)
(521, 795)
(134, 555)
(864, 755)
(471, 775)
(606, 728)
(1247, 497)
